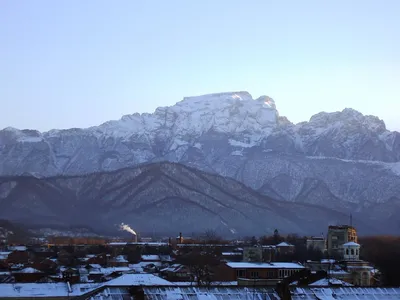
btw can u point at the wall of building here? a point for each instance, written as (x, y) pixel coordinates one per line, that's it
(339, 235)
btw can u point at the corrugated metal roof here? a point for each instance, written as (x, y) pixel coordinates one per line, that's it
(347, 293)
(189, 293)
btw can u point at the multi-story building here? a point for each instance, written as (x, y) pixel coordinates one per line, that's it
(338, 236)
(256, 273)
(317, 243)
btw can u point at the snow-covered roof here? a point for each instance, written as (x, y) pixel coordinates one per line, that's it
(210, 293)
(328, 261)
(349, 244)
(138, 279)
(138, 243)
(325, 282)
(190, 292)
(134, 266)
(107, 271)
(231, 253)
(145, 264)
(150, 257)
(117, 244)
(95, 266)
(274, 265)
(43, 290)
(349, 293)
(29, 270)
(173, 268)
(120, 258)
(167, 258)
(284, 244)
(214, 283)
(18, 248)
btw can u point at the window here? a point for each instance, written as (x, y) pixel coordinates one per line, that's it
(352, 251)
(270, 274)
(254, 274)
(347, 251)
(241, 273)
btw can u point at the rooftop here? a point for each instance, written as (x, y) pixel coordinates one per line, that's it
(150, 257)
(341, 227)
(43, 290)
(274, 265)
(351, 244)
(345, 293)
(138, 279)
(284, 244)
(191, 292)
(325, 282)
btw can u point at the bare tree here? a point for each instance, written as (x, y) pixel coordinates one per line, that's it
(211, 237)
(201, 266)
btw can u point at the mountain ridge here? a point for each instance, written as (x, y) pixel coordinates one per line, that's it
(156, 195)
(342, 160)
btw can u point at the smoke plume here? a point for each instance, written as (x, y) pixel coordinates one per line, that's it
(127, 228)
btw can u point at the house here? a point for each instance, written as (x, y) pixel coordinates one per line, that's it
(118, 261)
(58, 291)
(232, 256)
(150, 263)
(101, 274)
(5, 275)
(268, 253)
(17, 248)
(100, 259)
(71, 275)
(3, 266)
(94, 273)
(264, 273)
(28, 275)
(18, 257)
(4, 256)
(176, 272)
(151, 258)
(47, 266)
(166, 258)
(317, 243)
(252, 254)
(285, 248)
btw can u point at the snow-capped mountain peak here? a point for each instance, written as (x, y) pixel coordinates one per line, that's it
(348, 118)
(194, 116)
(227, 123)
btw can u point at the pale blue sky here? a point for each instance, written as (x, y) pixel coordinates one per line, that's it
(79, 63)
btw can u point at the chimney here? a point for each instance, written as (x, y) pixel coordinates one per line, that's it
(135, 240)
(180, 237)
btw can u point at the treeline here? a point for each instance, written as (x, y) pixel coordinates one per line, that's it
(384, 253)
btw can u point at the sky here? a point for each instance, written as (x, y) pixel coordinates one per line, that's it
(80, 63)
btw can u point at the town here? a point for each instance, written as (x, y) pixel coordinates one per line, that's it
(273, 267)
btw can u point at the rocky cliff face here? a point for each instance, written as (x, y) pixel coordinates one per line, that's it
(343, 160)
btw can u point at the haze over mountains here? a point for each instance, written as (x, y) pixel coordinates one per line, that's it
(343, 162)
(165, 197)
